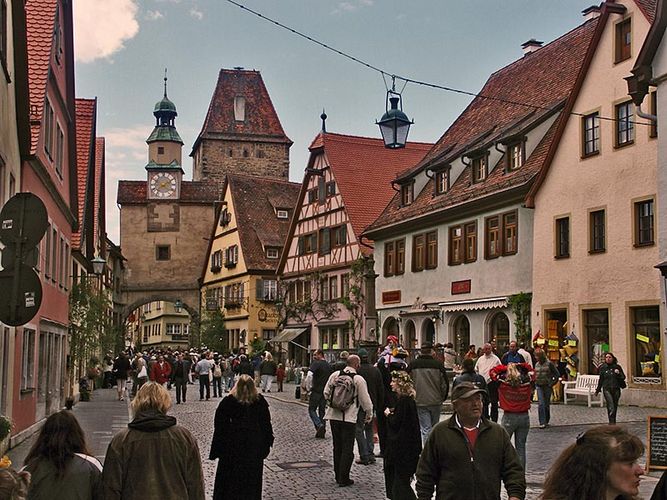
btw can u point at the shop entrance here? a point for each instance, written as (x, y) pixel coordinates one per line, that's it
(409, 340)
(596, 337)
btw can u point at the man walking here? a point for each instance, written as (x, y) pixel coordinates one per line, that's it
(203, 370)
(513, 355)
(364, 429)
(121, 367)
(431, 386)
(317, 377)
(346, 396)
(160, 371)
(179, 377)
(466, 457)
(485, 363)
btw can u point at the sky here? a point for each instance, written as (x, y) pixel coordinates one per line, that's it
(123, 46)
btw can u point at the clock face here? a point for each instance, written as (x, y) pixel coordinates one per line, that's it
(163, 185)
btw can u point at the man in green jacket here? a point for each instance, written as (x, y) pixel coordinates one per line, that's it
(467, 456)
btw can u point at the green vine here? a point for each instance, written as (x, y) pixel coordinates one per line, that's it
(5, 427)
(520, 306)
(311, 307)
(355, 301)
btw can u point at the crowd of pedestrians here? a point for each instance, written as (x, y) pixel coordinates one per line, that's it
(468, 456)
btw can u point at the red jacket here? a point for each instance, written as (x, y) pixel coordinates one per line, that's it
(160, 374)
(513, 399)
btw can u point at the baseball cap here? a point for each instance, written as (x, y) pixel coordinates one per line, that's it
(464, 390)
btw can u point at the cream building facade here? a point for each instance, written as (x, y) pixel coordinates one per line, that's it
(595, 220)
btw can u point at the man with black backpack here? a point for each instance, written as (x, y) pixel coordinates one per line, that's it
(345, 393)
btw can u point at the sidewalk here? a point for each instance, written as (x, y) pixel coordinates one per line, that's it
(101, 418)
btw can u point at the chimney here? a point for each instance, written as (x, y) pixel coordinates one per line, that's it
(531, 46)
(592, 12)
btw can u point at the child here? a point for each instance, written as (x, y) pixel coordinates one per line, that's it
(280, 376)
(13, 485)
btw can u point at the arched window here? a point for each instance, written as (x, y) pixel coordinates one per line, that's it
(462, 335)
(500, 331)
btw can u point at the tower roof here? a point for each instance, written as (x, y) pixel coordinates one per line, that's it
(165, 113)
(259, 116)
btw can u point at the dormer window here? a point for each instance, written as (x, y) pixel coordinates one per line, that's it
(515, 156)
(479, 168)
(623, 41)
(282, 214)
(272, 253)
(239, 108)
(407, 193)
(442, 181)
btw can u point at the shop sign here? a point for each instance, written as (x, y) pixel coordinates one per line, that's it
(459, 287)
(211, 304)
(391, 297)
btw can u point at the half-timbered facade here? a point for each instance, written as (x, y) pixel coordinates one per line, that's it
(326, 269)
(455, 243)
(239, 275)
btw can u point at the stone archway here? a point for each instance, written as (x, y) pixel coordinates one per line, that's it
(428, 331)
(461, 330)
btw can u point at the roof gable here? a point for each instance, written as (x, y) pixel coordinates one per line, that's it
(100, 191)
(255, 201)
(85, 161)
(260, 117)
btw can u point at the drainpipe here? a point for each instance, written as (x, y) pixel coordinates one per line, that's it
(648, 116)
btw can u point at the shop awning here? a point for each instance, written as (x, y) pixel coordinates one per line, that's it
(473, 304)
(287, 335)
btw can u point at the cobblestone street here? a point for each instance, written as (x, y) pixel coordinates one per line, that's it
(299, 466)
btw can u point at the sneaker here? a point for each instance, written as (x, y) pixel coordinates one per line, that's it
(543, 426)
(321, 430)
(349, 482)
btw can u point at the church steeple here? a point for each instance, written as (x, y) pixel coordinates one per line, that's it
(164, 143)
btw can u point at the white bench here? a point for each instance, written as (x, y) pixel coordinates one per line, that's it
(584, 385)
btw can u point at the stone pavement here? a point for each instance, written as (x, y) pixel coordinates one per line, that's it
(300, 466)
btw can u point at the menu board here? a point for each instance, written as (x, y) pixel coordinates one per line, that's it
(657, 443)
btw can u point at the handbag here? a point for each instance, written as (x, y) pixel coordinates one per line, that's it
(143, 373)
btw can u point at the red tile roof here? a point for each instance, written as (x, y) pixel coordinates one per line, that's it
(85, 130)
(134, 192)
(544, 79)
(363, 169)
(255, 202)
(40, 19)
(260, 115)
(648, 7)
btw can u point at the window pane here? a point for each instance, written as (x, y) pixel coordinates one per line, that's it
(646, 333)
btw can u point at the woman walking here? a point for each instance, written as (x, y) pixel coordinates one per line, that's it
(546, 375)
(611, 381)
(514, 393)
(600, 465)
(242, 439)
(153, 457)
(60, 465)
(404, 443)
(267, 371)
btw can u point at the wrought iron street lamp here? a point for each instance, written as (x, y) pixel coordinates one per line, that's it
(98, 265)
(394, 124)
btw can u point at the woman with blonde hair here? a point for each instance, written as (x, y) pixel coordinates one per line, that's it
(153, 456)
(242, 439)
(600, 465)
(404, 442)
(267, 371)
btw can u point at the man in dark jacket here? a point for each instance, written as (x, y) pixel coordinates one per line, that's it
(318, 374)
(364, 430)
(432, 387)
(121, 367)
(467, 456)
(179, 377)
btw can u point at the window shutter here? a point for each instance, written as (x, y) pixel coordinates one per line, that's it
(322, 193)
(343, 234)
(259, 291)
(325, 241)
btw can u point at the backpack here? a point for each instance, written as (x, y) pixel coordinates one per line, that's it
(217, 371)
(343, 392)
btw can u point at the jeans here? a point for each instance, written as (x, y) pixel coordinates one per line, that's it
(343, 449)
(611, 397)
(518, 424)
(181, 384)
(543, 408)
(228, 382)
(267, 380)
(428, 417)
(217, 387)
(316, 406)
(204, 382)
(364, 435)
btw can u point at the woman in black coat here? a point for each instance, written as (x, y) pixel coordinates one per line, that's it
(612, 380)
(404, 443)
(242, 439)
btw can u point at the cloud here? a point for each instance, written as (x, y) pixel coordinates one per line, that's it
(351, 6)
(196, 13)
(101, 27)
(154, 15)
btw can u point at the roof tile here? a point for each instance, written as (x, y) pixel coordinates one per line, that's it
(134, 192)
(85, 125)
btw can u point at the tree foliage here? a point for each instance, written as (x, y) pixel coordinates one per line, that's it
(520, 305)
(212, 331)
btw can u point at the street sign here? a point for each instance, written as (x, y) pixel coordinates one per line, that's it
(24, 304)
(23, 219)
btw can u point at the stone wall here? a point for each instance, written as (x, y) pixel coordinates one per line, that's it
(218, 157)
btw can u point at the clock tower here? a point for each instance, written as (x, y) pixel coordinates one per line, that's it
(164, 169)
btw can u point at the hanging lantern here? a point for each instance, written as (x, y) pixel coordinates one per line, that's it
(98, 265)
(394, 124)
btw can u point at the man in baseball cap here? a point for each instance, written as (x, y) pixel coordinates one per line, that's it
(464, 438)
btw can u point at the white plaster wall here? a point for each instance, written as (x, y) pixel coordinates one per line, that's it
(623, 275)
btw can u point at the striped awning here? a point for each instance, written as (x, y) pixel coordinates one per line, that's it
(473, 304)
(287, 335)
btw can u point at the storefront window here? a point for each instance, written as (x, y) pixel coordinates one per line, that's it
(596, 328)
(500, 332)
(462, 335)
(646, 334)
